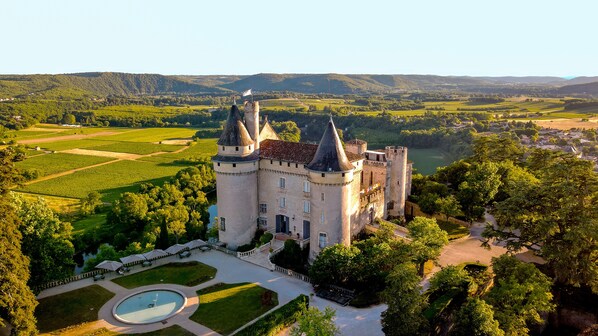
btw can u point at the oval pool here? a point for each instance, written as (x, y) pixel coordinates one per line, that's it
(149, 306)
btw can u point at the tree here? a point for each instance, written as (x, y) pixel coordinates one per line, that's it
(557, 217)
(334, 265)
(449, 206)
(476, 318)
(287, 130)
(46, 241)
(91, 204)
(520, 293)
(497, 148)
(406, 304)
(449, 277)
(105, 252)
(314, 322)
(427, 240)
(68, 119)
(17, 302)
(481, 184)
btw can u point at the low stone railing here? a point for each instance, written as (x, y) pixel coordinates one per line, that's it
(292, 273)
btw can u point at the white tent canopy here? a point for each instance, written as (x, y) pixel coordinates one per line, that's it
(157, 253)
(109, 265)
(195, 244)
(132, 258)
(176, 248)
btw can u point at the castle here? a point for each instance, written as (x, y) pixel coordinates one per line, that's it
(324, 193)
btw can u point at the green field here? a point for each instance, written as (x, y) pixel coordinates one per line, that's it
(110, 180)
(152, 134)
(60, 205)
(88, 223)
(49, 164)
(70, 144)
(187, 274)
(140, 148)
(426, 160)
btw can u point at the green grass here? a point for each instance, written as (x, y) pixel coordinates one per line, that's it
(203, 147)
(426, 160)
(71, 308)
(140, 148)
(151, 134)
(226, 307)
(49, 164)
(91, 222)
(70, 144)
(61, 205)
(174, 330)
(187, 274)
(110, 180)
(455, 231)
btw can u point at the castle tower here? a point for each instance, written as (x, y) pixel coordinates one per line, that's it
(236, 166)
(331, 176)
(396, 181)
(252, 120)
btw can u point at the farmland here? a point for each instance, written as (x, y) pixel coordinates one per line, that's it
(138, 157)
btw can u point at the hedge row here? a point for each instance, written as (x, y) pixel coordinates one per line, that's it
(277, 320)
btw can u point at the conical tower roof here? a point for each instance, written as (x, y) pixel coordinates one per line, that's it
(330, 156)
(234, 133)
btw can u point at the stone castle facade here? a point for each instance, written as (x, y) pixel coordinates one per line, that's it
(322, 194)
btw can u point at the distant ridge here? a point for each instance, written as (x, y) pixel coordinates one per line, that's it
(125, 84)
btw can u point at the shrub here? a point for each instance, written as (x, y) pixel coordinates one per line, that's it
(267, 237)
(245, 248)
(277, 320)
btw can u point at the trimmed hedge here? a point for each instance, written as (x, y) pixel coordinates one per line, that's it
(277, 320)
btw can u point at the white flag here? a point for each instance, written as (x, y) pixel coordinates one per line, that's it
(247, 93)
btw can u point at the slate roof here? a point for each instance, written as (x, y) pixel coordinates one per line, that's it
(330, 156)
(234, 133)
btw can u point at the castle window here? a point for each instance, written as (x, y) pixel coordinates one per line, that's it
(322, 197)
(282, 183)
(249, 147)
(271, 162)
(234, 165)
(263, 208)
(296, 165)
(323, 241)
(280, 163)
(306, 186)
(343, 174)
(288, 164)
(222, 224)
(218, 164)
(323, 175)
(306, 207)
(283, 202)
(262, 222)
(237, 149)
(223, 148)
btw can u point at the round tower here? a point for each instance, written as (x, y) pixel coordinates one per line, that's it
(331, 175)
(236, 167)
(252, 120)
(396, 181)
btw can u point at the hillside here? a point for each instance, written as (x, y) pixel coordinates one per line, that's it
(582, 89)
(100, 84)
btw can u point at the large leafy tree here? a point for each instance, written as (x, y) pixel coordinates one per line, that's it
(46, 241)
(406, 304)
(448, 278)
(479, 188)
(335, 265)
(427, 240)
(556, 216)
(287, 130)
(520, 294)
(476, 318)
(17, 302)
(315, 322)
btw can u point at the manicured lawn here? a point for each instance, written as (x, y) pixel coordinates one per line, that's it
(71, 308)
(226, 307)
(110, 180)
(455, 231)
(49, 164)
(174, 330)
(141, 148)
(187, 274)
(88, 330)
(60, 205)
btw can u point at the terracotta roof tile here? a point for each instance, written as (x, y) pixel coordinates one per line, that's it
(296, 152)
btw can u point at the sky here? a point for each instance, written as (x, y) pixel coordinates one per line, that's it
(197, 37)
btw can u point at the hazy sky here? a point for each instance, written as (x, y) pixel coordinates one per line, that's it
(443, 37)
